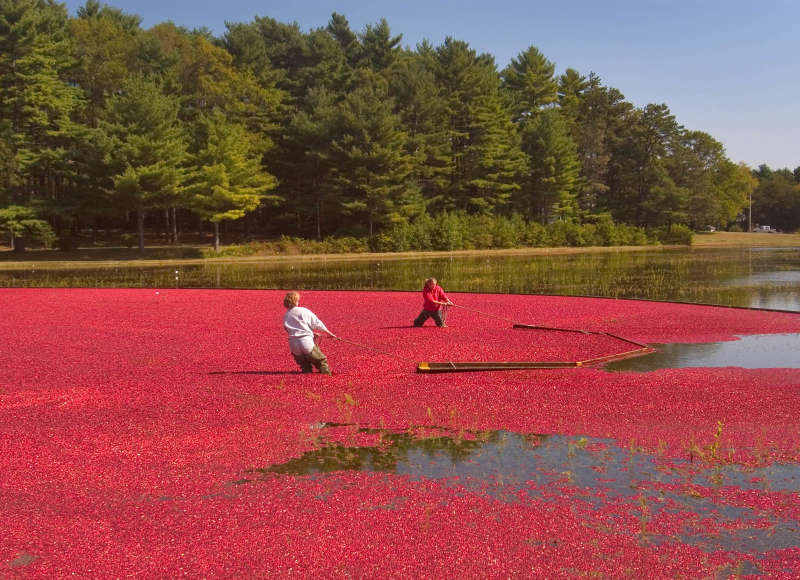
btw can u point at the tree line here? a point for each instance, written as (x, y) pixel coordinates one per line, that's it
(330, 132)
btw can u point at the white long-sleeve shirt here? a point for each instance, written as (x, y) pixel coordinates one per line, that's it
(300, 323)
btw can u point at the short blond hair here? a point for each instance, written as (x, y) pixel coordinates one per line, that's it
(291, 299)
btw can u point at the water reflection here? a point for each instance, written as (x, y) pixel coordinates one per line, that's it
(758, 351)
(512, 467)
(764, 278)
(774, 290)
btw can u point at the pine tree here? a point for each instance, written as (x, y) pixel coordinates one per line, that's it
(379, 49)
(642, 191)
(9, 176)
(105, 42)
(148, 148)
(371, 167)
(571, 88)
(339, 28)
(554, 176)
(423, 113)
(36, 101)
(602, 120)
(306, 163)
(484, 149)
(530, 80)
(496, 158)
(553, 167)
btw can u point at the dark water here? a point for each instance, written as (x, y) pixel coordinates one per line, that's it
(758, 351)
(513, 467)
(757, 277)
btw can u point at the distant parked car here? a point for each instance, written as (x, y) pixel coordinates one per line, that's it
(764, 229)
(710, 229)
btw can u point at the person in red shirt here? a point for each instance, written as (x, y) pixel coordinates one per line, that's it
(434, 303)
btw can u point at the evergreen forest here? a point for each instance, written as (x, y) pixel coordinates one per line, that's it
(271, 132)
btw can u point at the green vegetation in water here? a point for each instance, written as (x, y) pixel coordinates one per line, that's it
(712, 276)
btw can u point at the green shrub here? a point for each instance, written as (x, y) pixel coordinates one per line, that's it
(344, 245)
(637, 236)
(448, 232)
(128, 240)
(480, 232)
(505, 234)
(556, 235)
(421, 233)
(575, 234)
(607, 233)
(676, 234)
(535, 235)
(458, 230)
(590, 237)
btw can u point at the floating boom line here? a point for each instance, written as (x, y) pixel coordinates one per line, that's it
(468, 366)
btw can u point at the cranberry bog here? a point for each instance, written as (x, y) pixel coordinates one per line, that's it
(154, 434)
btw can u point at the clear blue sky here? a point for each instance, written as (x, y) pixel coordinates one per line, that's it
(730, 68)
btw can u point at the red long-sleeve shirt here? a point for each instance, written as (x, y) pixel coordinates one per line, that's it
(431, 294)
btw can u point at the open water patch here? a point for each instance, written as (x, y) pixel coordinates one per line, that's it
(756, 351)
(777, 277)
(514, 467)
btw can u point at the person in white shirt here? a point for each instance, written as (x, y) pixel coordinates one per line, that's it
(300, 324)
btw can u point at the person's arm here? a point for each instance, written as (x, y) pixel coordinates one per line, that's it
(444, 297)
(317, 324)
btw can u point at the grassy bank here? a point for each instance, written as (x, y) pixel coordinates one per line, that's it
(745, 240)
(197, 254)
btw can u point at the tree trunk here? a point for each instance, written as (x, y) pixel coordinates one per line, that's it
(175, 225)
(216, 236)
(140, 227)
(17, 244)
(167, 226)
(319, 220)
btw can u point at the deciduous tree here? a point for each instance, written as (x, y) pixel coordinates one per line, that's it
(23, 223)
(226, 179)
